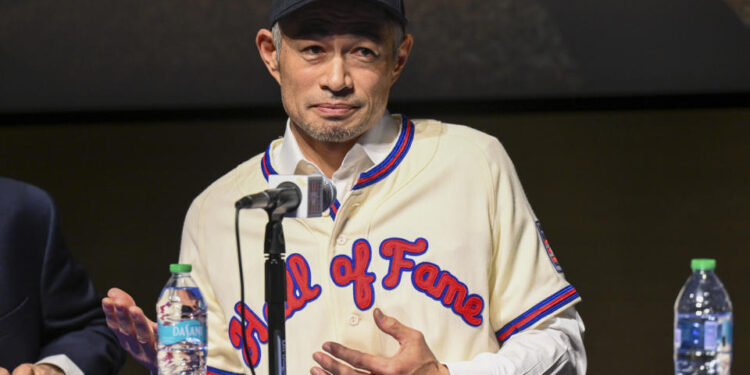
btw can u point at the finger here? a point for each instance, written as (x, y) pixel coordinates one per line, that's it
(333, 366)
(124, 321)
(47, 369)
(393, 327)
(117, 303)
(119, 320)
(108, 306)
(126, 331)
(121, 297)
(356, 358)
(24, 369)
(143, 331)
(3, 371)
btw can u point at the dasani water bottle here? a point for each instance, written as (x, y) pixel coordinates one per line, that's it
(703, 323)
(181, 316)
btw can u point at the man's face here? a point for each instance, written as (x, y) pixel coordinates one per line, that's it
(336, 68)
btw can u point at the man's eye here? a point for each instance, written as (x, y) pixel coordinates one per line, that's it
(313, 50)
(366, 52)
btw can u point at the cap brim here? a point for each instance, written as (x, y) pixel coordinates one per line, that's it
(290, 9)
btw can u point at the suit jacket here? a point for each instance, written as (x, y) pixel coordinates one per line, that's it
(48, 305)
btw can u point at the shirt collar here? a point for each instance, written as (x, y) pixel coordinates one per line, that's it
(370, 149)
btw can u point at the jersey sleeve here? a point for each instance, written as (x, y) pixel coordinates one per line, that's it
(221, 354)
(527, 285)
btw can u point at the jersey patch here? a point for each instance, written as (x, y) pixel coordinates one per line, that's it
(445, 288)
(429, 279)
(256, 331)
(394, 249)
(550, 254)
(426, 277)
(353, 270)
(299, 292)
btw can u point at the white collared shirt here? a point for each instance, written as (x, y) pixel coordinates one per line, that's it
(554, 347)
(371, 148)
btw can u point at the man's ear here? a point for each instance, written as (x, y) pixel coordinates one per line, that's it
(268, 52)
(402, 54)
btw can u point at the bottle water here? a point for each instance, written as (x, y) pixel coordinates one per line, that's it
(181, 316)
(703, 323)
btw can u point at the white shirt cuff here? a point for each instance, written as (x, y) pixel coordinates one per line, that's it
(554, 347)
(63, 362)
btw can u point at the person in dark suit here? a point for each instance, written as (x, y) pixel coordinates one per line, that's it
(50, 318)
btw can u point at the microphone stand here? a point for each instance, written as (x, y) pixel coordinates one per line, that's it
(274, 249)
(277, 203)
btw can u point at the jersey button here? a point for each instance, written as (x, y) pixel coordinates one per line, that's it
(353, 319)
(341, 240)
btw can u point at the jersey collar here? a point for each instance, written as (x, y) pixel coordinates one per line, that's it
(371, 148)
(372, 143)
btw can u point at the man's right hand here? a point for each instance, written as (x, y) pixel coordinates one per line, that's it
(137, 334)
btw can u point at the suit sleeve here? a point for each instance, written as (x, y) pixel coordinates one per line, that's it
(74, 323)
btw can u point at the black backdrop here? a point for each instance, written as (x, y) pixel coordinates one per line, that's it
(165, 54)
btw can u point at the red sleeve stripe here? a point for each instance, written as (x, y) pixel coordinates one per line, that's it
(539, 311)
(215, 371)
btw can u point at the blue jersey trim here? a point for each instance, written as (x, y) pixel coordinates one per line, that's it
(265, 164)
(215, 371)
(391, 162)
(539, 311)
(374, 174)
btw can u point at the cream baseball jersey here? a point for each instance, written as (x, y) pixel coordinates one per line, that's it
(438, 235)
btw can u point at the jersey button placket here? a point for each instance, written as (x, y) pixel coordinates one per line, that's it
(353, 319)
(341, 240)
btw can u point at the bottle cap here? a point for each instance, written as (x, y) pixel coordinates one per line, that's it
(703, 264)
(176, 267)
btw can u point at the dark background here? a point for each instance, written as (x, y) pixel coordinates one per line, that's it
(172, 54)
(627, 122)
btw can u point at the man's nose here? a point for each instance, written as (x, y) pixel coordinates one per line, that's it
(336, 77)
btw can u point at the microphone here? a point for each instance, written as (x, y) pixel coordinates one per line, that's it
(295, 195)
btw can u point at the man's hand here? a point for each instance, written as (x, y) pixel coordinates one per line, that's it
(137, 334)
(31, 369)
(413, 358)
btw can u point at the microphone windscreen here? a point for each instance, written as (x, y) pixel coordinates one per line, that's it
(318, 193)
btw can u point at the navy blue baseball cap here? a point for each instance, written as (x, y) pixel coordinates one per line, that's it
(281, 8)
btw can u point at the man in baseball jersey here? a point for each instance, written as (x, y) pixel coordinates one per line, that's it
(430, 261)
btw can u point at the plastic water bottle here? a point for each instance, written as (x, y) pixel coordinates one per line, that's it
(181, 316)
(703, 323)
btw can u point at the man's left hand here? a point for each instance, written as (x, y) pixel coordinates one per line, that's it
(412, 358)
(30, 369)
